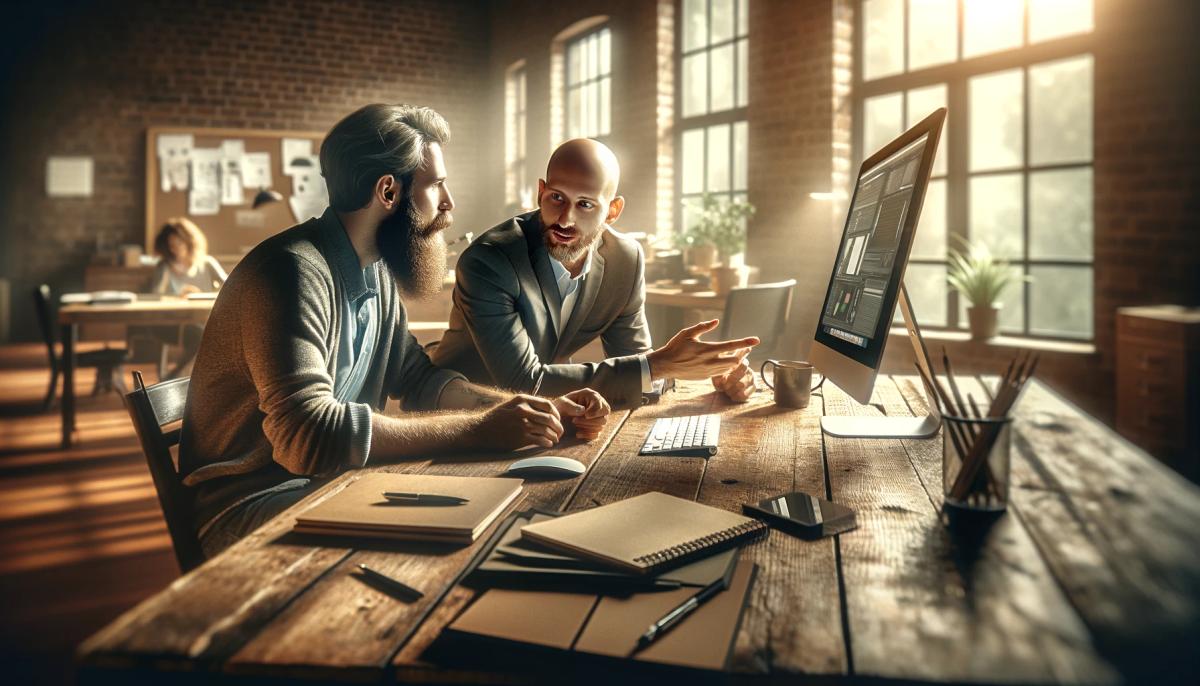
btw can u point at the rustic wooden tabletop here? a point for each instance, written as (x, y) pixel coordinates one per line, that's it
(1093, 574)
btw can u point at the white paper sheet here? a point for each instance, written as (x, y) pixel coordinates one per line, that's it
(232, 180)
(293, 149)
(256, 170)
(69, 177)
(309, 195)
(174, 153)
(205, 195)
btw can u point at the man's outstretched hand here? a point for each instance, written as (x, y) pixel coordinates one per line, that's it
(586, 409)
(685, 356)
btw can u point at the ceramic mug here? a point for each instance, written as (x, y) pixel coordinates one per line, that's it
(793, 385)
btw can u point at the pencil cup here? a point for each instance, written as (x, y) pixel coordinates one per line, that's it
(975, 462)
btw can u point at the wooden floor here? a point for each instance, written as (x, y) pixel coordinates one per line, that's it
(81, 535)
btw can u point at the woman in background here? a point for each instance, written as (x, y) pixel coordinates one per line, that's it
(184, 265)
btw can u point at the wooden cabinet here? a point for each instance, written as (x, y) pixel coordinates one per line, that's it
(1158, 383)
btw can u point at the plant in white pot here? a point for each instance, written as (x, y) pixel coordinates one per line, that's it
(720, 223)
(981, 278)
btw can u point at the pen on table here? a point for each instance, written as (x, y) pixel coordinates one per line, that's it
(677, 615)
(390, 583)
(424, 498)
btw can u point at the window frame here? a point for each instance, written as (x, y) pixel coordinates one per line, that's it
(516, 87)
(588, 82)
(955, 76)
(729, 117)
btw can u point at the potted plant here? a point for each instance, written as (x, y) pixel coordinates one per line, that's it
(721, 224)
(981, 278)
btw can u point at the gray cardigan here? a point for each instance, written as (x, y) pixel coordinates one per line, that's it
(260, 406)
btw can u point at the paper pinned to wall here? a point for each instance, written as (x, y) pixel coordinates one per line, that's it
(174, 154)
(205, 195)
(294, 149)
(69, 177)
(232, 179)
(310, 197)
(256, 170)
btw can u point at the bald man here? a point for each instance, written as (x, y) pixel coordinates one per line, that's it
(535, 289)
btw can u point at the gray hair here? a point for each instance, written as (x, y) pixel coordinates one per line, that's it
(374, 141)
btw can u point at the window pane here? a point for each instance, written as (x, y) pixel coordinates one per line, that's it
(605, 60)
(932, 32)
(997, 136)
(722, 78)
(718, 158)
(996, 214)
(1060, 111)
(1054, 18)
(739, 155)
(722, 21)
(693, 161)
(743, 85)
(695, 24)
(695, 84)
(926, 285)
(991, 25)
(921, 103)
(1060, 301)
(573, 61)
(1012, 306)
(574, 122)
(587, 53)
(881, 122)
(930, 242)
(1060, 214)
(605, 106)
(883, 44)
(743, 27)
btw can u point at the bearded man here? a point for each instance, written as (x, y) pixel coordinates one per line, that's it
(308, 339)
(532, 291)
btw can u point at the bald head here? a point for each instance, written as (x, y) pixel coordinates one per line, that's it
(588, 161)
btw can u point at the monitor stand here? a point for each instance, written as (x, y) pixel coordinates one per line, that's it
(894, 427)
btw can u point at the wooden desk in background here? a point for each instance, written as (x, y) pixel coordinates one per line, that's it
(166, 311)
(670, 308)
(1094, 566)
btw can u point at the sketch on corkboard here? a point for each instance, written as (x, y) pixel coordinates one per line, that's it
(213, 176)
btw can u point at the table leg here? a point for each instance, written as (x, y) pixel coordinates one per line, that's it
(70, 333)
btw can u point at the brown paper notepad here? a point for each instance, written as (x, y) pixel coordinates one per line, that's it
(607, 626)
(361, 510)
(645, 534)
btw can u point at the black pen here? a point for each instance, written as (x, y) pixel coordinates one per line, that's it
(424, 498)
(677, 615)
(390, 583)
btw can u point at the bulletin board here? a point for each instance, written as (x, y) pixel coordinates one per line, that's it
(232, 227)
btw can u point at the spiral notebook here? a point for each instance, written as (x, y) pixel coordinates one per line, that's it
(645, 534)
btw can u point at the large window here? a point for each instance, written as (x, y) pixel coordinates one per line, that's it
(517, 190)
(589, 85)
(713, 59)
(1014, 169)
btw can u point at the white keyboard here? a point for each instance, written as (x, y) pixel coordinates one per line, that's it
(691, 436)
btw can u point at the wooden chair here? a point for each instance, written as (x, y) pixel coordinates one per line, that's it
(109, 362)
(151, 408)
(759, 310)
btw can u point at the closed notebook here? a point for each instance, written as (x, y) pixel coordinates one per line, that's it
(600, 626)
(645, 534)
(361, 510)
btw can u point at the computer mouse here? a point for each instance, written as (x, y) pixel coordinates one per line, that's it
(546, 466)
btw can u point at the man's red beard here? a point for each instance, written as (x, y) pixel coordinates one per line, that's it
(414, 253)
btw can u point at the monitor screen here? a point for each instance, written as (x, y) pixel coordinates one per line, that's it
(856, 315)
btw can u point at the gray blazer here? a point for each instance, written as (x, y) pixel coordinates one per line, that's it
(503, 328)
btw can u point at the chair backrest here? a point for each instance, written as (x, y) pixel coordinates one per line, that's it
(759, 310)
(41, 305)
(151, 408)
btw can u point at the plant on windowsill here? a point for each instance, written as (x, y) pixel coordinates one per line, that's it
(721, 224)
(981, 278)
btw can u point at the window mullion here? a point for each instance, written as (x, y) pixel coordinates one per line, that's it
(957, 179)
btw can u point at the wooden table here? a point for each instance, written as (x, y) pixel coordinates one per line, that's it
(674, 296)
(162, 311)
(1093, 575)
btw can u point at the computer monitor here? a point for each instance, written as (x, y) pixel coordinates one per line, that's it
(868, 277)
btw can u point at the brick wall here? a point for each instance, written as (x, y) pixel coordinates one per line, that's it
(89, 78)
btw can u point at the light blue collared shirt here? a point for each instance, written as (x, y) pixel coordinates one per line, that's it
(358, 337)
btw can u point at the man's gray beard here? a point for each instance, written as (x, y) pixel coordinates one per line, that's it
(415, 254)
(570, 254)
